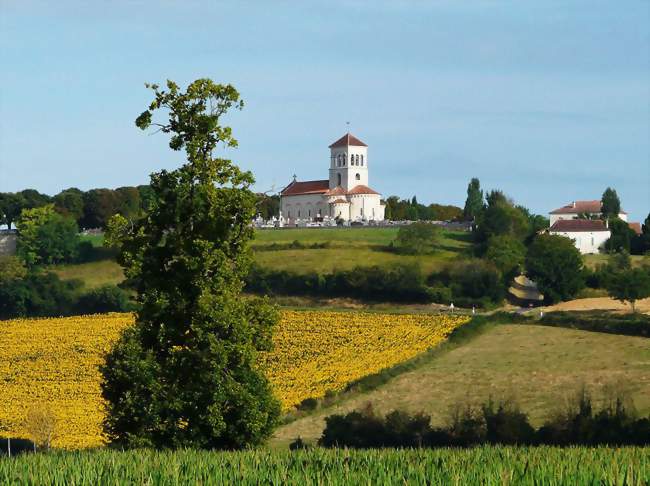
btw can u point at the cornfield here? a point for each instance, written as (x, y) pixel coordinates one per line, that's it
(53, 363)
(482, 465)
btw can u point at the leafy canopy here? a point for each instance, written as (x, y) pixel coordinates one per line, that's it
(186, 375)
(611, 204)
(555, 264)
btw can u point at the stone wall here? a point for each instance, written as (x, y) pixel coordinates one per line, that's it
(7, 243)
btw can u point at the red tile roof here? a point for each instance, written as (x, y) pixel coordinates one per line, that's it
(347, 140)
(361, 189)
(578, 225)
(636, 227)
(307, 187)
(337, 191)
(578, 207)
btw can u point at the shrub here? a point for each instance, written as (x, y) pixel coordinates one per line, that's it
(417, 239)
(108, 298)
(472, 282)
(555, 264)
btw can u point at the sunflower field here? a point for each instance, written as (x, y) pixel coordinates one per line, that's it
(53, 363)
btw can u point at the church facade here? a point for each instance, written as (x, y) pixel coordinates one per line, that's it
(345, 196)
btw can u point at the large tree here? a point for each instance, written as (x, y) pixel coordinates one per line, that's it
(610, 203)
(11, 205)
(46, 237)
(629, 285)
(474, 203)
(186, 374)
(70, 202)
(555, 264)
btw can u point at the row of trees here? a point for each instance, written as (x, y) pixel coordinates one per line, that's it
(88, 209)
(410, 210)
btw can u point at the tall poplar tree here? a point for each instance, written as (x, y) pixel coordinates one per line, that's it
(186, 374)
(474, 203)
(610, 203)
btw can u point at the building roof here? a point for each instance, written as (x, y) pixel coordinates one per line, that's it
(306, 187)
(636, 227)
(578, 207)
(347, 140)
(337, 191)
(578, 226)
(361, 189)
(340, 201)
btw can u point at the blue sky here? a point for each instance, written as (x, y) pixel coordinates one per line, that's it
(546, 100)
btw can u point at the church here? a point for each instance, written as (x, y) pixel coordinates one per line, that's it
(345, 196)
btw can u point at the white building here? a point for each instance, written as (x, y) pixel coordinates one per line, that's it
(589, 236)
(344, 196)
(576, 208)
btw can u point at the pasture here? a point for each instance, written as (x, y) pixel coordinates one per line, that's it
(540, 367)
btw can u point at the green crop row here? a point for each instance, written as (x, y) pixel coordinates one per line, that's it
(481, 465)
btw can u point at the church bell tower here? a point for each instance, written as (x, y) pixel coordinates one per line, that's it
(348, 163)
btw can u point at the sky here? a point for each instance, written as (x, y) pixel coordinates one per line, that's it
(548, 101)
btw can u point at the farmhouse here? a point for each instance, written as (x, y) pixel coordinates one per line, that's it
(345, 196)
(589, 236)
(582, 209)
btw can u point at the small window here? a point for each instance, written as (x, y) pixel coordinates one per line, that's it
(339, 179)
(299, 213)
(362, 160)
(358, 177)
(356, 159)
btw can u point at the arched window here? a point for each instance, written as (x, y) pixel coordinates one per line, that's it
(339, 179)
(358, 177)
(356, 159)
(362, 160)
(345, 159)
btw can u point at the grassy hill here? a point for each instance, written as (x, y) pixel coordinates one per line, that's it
(540, 367)
(346, 248)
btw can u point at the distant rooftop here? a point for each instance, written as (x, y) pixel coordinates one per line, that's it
(347, 140)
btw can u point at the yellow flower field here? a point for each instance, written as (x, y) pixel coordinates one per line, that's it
(54, 362)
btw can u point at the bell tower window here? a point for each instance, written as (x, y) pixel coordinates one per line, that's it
(339, 179)
(358, 177)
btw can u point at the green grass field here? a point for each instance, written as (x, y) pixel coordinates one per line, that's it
(539, 367)
(481, 465)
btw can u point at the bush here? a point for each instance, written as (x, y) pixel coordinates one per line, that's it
(108, 298)
(417, 239)
(38, 294)
(491, 423)
(401, 283)
(472, 282)
(555, 264)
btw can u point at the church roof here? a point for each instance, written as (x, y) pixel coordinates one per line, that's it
(636, 227)
(361, 189)
(340, 201)
(347, 140)
(578, 225)
(306, 187)
(337, 191)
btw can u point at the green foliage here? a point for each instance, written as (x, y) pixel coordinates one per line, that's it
(611, 204)
(622, 235)
(417, 239)
(404, 209)
(489, 465)
(555, 264)
(10, 207)
(11, 268)
(474, 204)
(70, 202)
(186, 374)
(508, 255)
(31, 199)
(37, 294)
(394, 283)
(268, 206)
(107, 298)
(501, 217)
(128, 202)
(99, 206)
(629, 285)
(471, 282)
(46, 237)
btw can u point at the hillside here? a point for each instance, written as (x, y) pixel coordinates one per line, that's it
(538, 366)
(344, 249)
